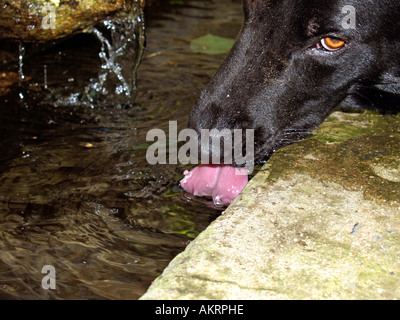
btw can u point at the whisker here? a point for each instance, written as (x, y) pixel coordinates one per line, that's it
(367, 99)
(304, 132)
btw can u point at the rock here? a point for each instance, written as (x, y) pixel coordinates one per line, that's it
(40, 20)
(7, 79)
(28, 30)
(316, 222)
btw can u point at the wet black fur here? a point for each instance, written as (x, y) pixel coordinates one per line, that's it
(277, 81)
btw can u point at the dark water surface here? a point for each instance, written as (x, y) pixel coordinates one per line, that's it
(76, 191)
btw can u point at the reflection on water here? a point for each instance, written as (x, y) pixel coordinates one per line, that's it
(76, 191)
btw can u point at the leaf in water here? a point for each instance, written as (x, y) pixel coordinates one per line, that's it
(210, 44)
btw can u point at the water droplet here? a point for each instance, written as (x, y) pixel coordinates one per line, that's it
(21, 61)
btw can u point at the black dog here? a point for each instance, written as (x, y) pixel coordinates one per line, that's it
(296, 60)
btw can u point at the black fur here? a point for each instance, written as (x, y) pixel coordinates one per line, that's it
(279, 81)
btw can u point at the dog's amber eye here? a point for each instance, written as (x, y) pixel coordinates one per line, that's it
(332, 44)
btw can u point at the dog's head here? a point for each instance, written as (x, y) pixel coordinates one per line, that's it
(295, 60)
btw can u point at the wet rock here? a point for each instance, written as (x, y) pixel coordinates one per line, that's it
(390, 174)
(321, 220)
(40, 20)
(75, 52)
(7, 79)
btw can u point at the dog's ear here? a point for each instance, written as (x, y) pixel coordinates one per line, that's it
(383, 96)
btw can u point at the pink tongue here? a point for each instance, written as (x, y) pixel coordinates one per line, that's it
(221, 182)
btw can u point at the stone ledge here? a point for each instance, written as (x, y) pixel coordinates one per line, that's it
(319, 221)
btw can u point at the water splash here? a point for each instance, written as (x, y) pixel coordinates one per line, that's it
(120, 51)
(21, 53)
(108, 55)
(21, 75)
(122, 44)
(45, 76)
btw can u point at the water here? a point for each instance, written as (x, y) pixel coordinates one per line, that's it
(76, 191)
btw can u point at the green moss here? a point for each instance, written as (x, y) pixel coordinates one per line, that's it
(359, 151)
(331, 133)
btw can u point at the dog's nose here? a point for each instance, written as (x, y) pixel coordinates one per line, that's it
(217, 146)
